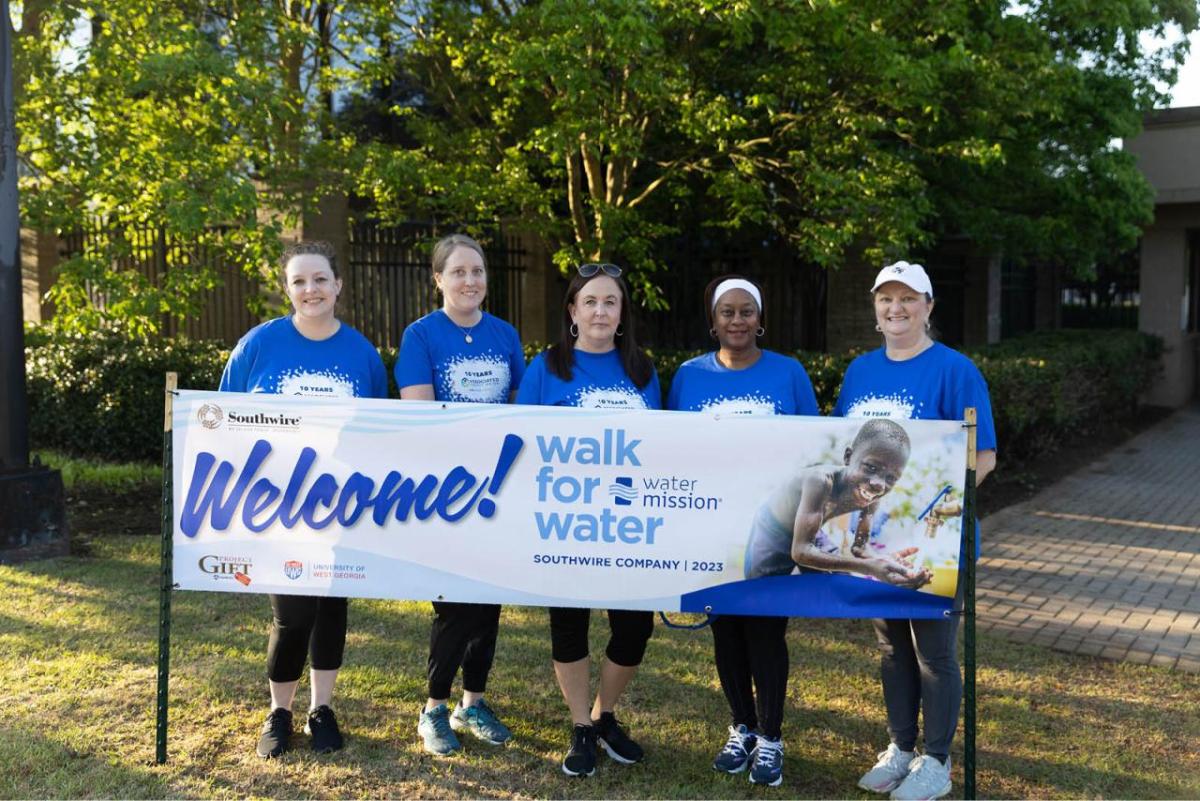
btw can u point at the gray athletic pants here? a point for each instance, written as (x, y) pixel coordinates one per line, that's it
(919, 668)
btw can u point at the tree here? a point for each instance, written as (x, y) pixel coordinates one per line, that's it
(849, 130)
(871, 126)
(198, 120)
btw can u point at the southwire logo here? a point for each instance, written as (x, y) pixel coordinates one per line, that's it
(262, 420)
(210, 415)
(622, 491)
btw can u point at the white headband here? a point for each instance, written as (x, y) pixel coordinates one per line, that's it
(736, 283)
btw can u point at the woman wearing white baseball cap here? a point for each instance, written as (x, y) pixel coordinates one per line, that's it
(914, 377)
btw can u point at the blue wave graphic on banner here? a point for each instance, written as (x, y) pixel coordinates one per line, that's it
(815, 595)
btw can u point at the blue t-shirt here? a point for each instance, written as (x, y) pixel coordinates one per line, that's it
(485, 370)
(775, 384)
(598, 381)
(274, 358)
(936, 384)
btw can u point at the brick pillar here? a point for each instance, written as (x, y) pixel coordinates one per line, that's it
(39, 258)
(541, 301)
(850, 315)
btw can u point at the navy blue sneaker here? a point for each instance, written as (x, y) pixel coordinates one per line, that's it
(768, 762)
(735, 756)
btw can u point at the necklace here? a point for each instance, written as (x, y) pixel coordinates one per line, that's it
(466, 332)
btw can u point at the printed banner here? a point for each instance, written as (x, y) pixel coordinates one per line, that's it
(546, 506)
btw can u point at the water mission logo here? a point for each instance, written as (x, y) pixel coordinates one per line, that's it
(622, 491)
(210, 415)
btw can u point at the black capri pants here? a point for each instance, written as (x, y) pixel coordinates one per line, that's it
(630, 630)
(462, 635)
(305, 623)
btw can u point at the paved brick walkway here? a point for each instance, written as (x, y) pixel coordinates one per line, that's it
(1106, 562)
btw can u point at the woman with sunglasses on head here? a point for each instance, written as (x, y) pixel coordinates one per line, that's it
(750, 650)
(595, 364)
(310, 353)
(460, 353)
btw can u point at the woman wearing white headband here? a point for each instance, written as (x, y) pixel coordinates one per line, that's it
(750, 650)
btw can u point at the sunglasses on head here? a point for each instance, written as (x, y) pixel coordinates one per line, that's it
(588, 270)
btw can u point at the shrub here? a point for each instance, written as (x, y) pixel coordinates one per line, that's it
(1049, 388)
(101, 394)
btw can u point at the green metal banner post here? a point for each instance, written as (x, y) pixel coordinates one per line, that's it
(166, 582)
(969, 612)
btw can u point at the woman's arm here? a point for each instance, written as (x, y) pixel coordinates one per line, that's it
(417, 392)
(985, 462)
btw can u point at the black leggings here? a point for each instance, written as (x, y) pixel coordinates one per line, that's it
(630, 631)
(305, 623)
(752, 660)
(462, 635)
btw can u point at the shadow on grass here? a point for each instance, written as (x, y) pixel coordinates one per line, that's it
(1049, 776)
(37, 767)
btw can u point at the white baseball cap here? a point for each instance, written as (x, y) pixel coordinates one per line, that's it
(911, 275)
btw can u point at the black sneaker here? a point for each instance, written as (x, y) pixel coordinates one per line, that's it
(276, 734)
(322, 725)
(581, 759)
(615, 741)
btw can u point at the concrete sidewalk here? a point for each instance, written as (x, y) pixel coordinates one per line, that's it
(1105, 562)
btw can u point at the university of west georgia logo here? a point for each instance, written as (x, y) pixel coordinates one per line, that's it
(210, 415)
(293, 569)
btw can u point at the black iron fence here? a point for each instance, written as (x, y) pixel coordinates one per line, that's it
(389, 281)
(387, 278)
(1101, 304)
(794, 294)
(161, 260)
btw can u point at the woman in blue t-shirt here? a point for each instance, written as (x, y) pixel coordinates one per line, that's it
(595, 364)
(310, 353)
(460, 353)
(914, 377)
(750, 650)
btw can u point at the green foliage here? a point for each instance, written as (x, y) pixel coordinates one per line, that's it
(188, 118)
(80, 473)
(847, 130)
(1051, 387)
(101, 394)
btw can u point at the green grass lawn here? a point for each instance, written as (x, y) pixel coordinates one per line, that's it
(78, 649)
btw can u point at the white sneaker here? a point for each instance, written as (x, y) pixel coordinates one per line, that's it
(927, 779)
(889, 771)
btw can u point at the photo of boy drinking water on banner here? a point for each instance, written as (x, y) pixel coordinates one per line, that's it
(871, 506)
(787, 531)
